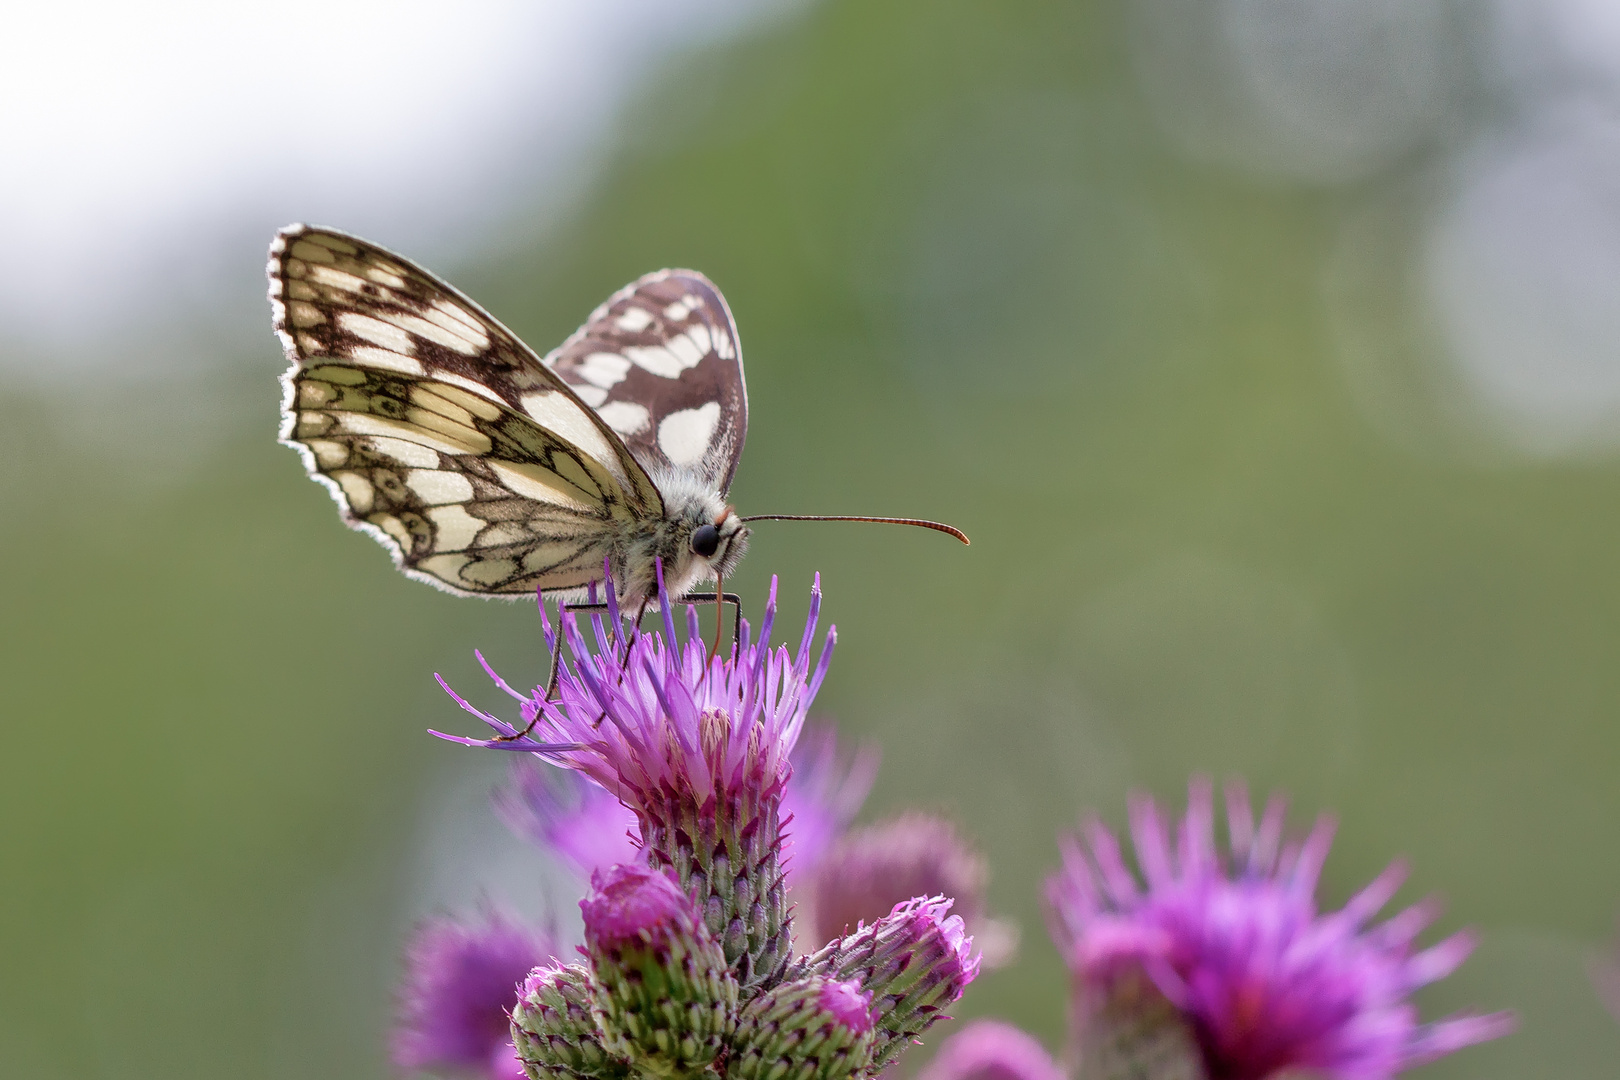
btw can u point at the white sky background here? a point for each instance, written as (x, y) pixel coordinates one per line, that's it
(146, 150)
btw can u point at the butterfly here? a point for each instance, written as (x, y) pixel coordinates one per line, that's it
(487, 470)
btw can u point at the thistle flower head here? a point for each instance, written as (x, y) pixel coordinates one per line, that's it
(554, 1027)
(662, 719)
(461, 983)
(698, 747)
(811, 1028)
(991, 1050)
(1237, 947)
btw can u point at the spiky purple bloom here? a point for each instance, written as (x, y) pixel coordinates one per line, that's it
(666, 720)
(461, 983)
(1236, 945)
(698, 747)
(871, 869)
(578, 821)
(991, 1050)
(568, 815)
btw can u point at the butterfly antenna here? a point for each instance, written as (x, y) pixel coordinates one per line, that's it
(919, 522)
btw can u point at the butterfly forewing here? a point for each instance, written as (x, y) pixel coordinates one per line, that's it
(660, 364)
(437, 430)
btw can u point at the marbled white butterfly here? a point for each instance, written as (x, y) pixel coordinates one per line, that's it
(488, 471)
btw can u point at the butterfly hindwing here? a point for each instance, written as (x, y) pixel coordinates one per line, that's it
(661, 365)
(437, 430)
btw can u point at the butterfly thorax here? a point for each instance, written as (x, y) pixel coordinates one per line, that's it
(689, 505)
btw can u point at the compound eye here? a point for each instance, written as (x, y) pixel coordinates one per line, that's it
(705, 540)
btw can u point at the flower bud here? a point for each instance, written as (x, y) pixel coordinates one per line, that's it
(807, 1029)
(914, 962)
(663, 995)
(555, 1034)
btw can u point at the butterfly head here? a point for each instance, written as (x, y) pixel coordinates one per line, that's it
(719, 542)
(707, 536)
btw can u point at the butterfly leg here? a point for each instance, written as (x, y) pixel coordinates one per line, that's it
(556, 667)
(723, 598)
(629, 643)
(630, 639)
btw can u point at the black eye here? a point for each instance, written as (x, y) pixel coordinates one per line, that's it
(705, 540)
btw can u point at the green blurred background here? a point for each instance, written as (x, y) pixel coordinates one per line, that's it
(1233, 512)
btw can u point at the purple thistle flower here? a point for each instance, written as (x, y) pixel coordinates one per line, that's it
(991, 1050)
(698, 747)
(461, 983)
(1237, 947)
(666, 720)
(575, 819)
(569, 816)
(870, 870)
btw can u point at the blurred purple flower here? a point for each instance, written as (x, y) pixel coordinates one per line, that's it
(568, 815)
(461, 983)
(823, 796)
(1236, 945)
(871, 869)
(991, 1050)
